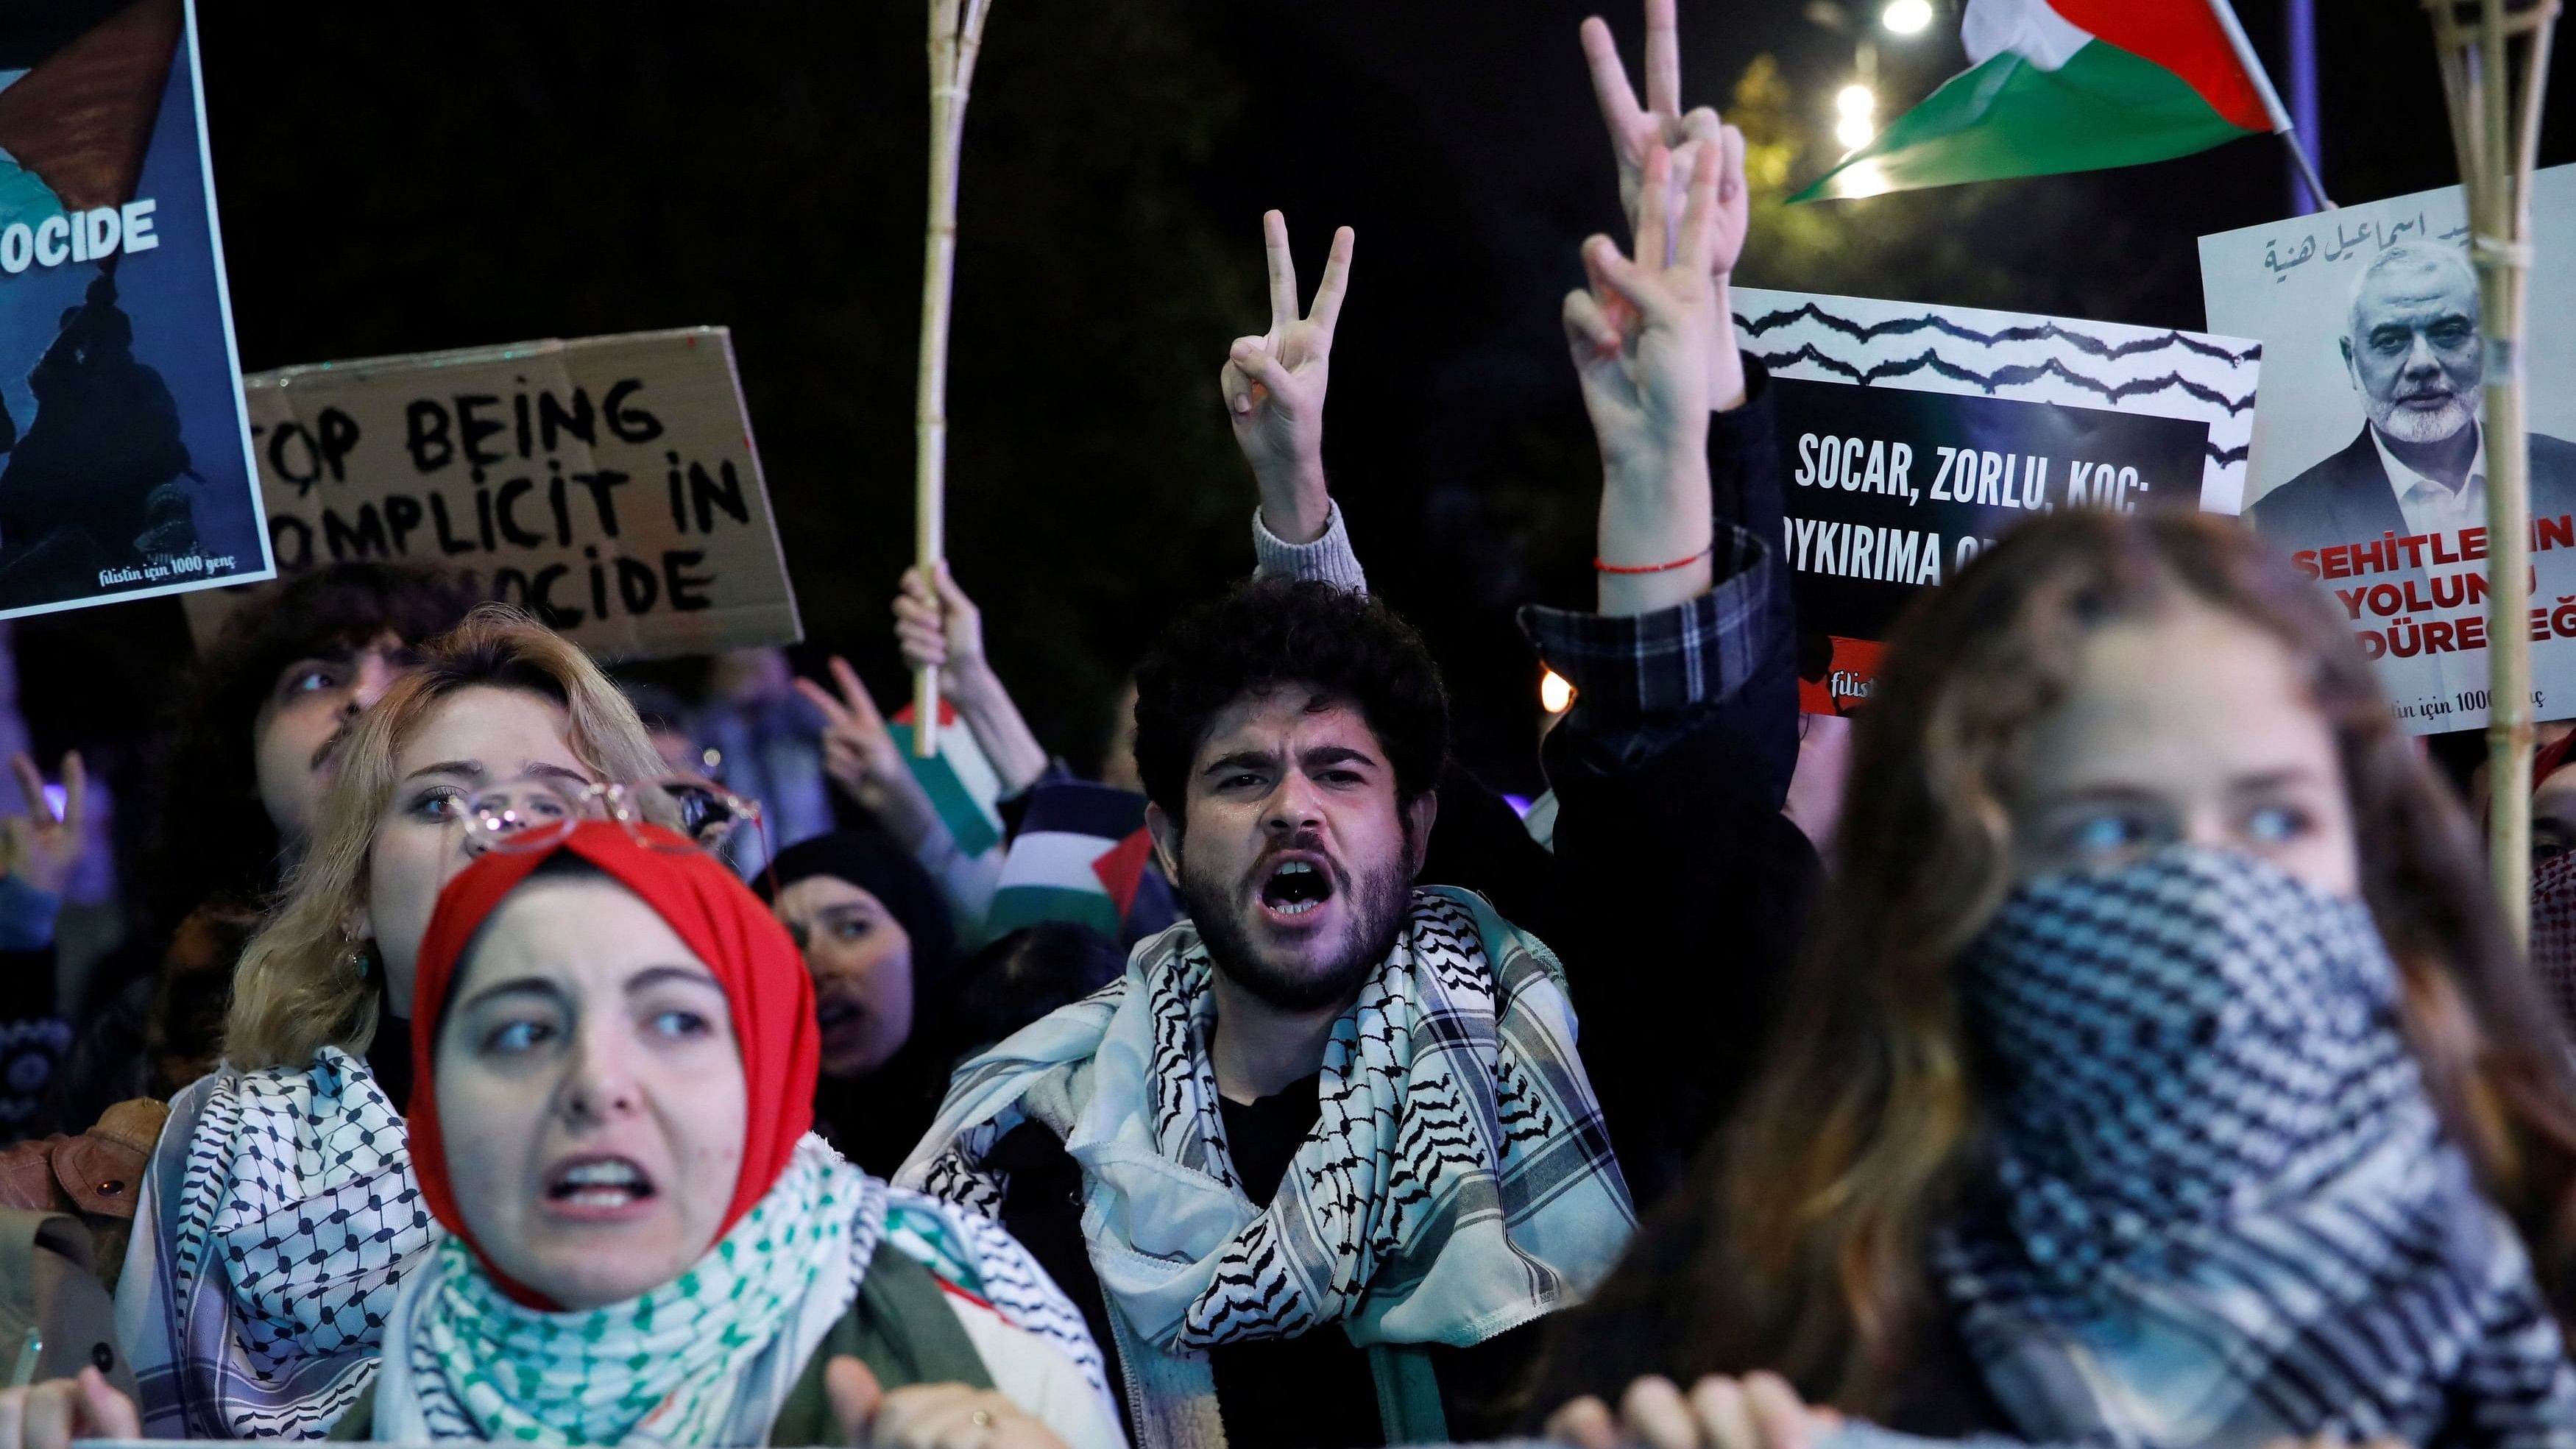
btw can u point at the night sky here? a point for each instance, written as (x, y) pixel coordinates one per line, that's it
(393, 180)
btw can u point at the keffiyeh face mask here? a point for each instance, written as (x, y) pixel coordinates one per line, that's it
(2184, 1039)
(2553, 934)
(2221, 1210)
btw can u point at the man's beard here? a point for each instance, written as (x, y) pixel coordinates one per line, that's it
(1380, 902)
(2412, 425)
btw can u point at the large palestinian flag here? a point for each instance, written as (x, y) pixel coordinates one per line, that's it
(2068, 85)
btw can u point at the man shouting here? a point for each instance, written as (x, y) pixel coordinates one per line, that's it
(1324, 1147)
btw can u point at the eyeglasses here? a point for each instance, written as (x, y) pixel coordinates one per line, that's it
(535, 813)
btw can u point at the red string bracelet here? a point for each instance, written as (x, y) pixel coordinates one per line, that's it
(1604, 566)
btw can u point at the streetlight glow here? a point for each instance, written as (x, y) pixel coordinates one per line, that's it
(1905, 17)
(1864, 179)
(1857, 103)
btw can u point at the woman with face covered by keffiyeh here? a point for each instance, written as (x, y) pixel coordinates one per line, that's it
(644, 1243)
(2553, 875)
(2164, 1078)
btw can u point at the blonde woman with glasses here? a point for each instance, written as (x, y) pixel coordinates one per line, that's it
(281, 1208)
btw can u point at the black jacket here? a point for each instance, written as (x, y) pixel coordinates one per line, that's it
(2347, 497)
(1677, 892)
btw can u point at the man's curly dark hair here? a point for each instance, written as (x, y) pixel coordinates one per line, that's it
(214, 840)
(1272, 632)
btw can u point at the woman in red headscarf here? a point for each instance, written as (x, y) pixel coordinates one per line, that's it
(617, 1053)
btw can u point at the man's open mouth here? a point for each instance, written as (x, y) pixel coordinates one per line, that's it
(832, 1013)
(598, 1183)
(1295, 887)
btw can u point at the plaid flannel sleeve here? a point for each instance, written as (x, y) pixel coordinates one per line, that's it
(1628, 669)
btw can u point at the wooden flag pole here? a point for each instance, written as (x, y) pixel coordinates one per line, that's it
(2495, 123)
(956, 32)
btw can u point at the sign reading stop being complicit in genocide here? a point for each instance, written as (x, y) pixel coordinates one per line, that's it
(1914, 437)
(2370, 456)
(609, 486)
(124, 466)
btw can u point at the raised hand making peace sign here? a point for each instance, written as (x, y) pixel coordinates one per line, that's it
(42, 848)
(1635, 130)
(1640, 338)
(860, 755)
(1274, 389)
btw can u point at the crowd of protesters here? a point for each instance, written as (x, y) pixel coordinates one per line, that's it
(503, 1054)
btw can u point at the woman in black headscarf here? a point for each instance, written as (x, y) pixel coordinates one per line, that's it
(878, 939)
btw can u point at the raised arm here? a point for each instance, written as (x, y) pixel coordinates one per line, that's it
(1274, 388)
(1640, 335)
(1668, 827)
(940, 628)
(861, 756)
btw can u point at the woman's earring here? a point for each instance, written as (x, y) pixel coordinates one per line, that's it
(362, 959)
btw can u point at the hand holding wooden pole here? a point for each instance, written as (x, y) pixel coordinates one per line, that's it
(2495, 123)
(956, 32)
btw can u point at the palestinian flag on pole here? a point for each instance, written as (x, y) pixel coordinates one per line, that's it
(961, 783)
(2071, 85)
(1079, 856)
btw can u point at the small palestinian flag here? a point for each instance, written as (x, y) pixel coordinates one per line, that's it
(961, 783)
(1079, 856)
(2070, 85)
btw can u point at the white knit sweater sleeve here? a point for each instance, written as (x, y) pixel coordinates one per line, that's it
(1328, 559)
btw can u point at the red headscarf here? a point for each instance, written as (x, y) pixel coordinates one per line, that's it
(754, 960)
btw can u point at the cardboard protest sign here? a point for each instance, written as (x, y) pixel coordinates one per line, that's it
(607, 485)
(2369, 459)
(127, 469)
(1914, 436)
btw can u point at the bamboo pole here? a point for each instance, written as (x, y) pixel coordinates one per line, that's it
(956, 33)
(2496, 127)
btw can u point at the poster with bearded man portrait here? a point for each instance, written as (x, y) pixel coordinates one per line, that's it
(2369, 457)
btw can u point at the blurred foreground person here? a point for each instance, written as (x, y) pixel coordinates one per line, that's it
(875, 937)
(2165, 1076)
(645, 1244)
(2553, 876)
(280, 1206)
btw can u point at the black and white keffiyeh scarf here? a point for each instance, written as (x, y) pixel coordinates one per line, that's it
(710, 1357)
(2223, 1210)
(279, 1213)
(1458, 1182)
